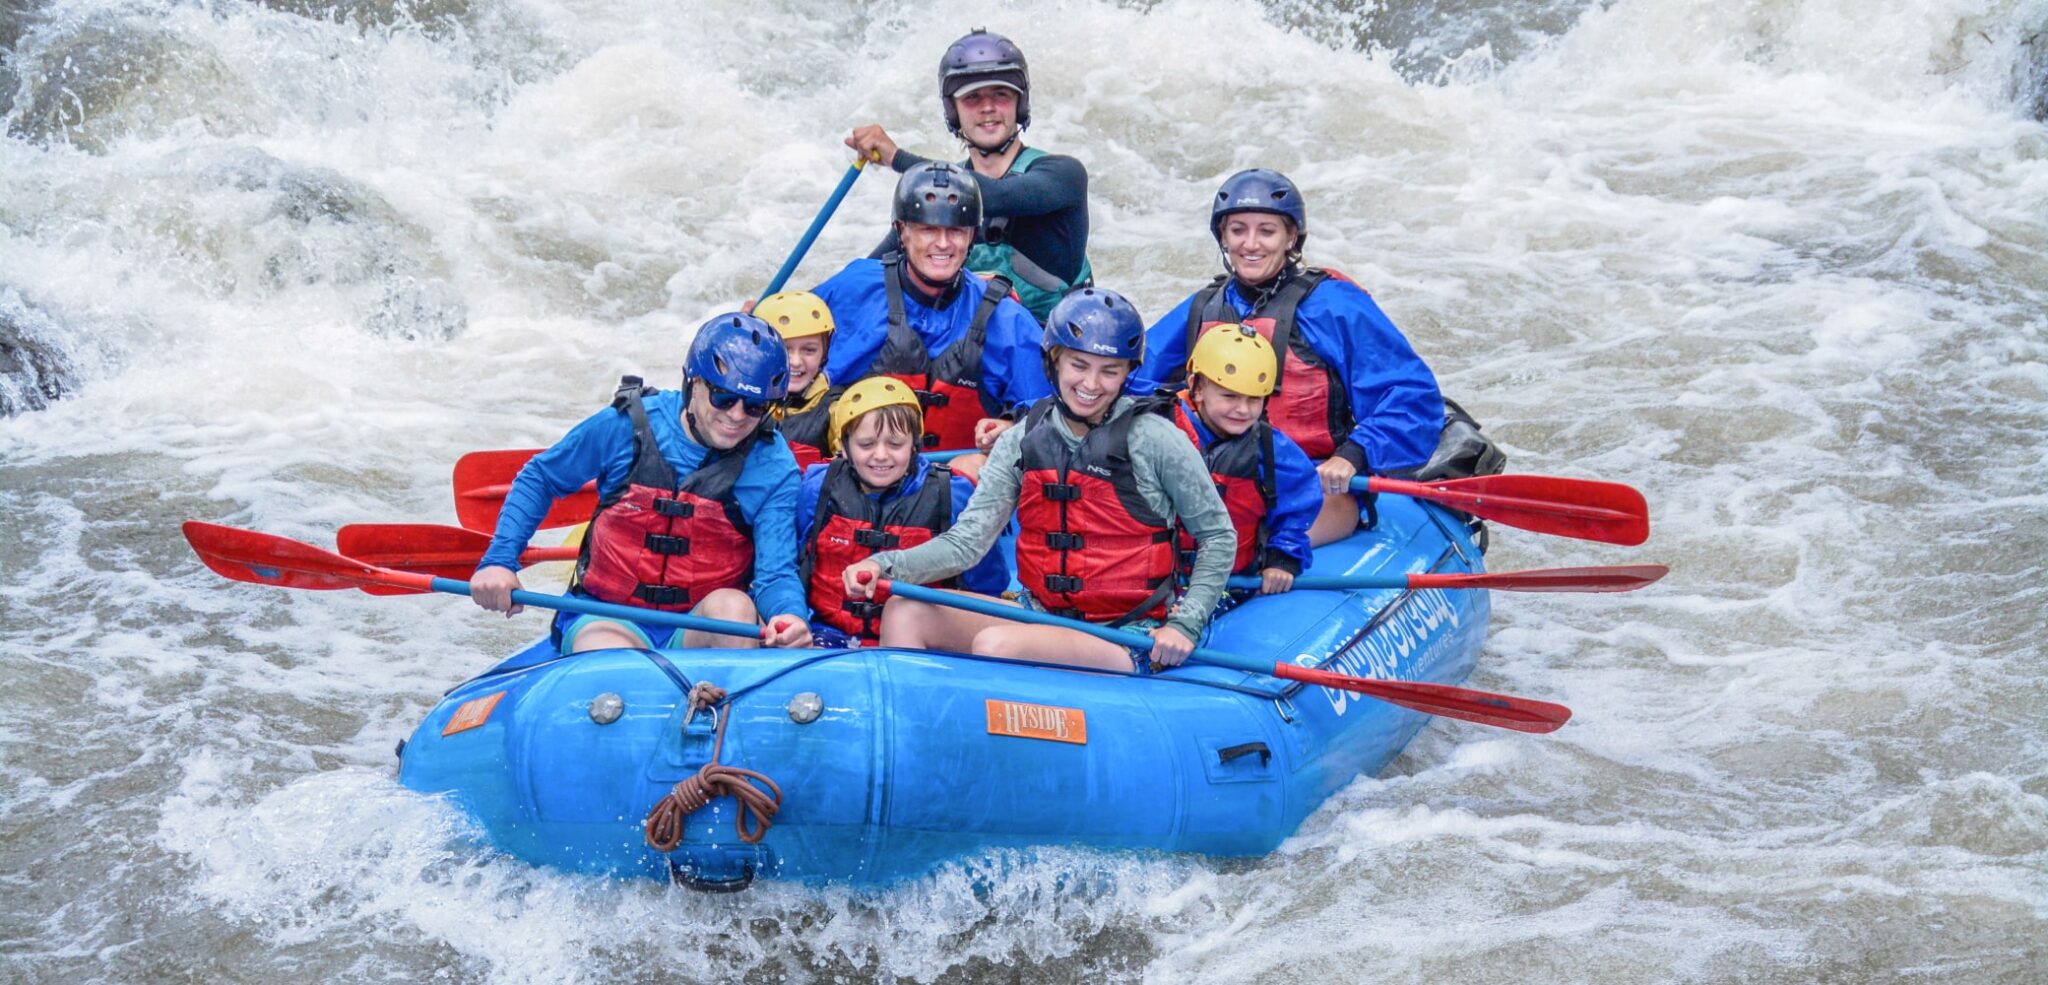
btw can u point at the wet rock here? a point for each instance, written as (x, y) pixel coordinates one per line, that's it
(15, 19)
(33, 367)
(317, 227)
(1429, 38)
(93, 82)
(433, 16)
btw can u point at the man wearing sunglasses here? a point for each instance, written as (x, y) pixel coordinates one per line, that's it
(696, 503)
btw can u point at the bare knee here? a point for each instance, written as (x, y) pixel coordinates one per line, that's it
(903, 623)
(1000, 642)
(730, 605)
(605, 636)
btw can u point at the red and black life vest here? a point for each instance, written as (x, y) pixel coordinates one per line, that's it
(804, 428)
(661, 544)
(849, 527)
(1311, 403)
(948, 387)
(1089, 546)
(1244, 470)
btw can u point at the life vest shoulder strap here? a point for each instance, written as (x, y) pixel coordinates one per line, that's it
(650, 467)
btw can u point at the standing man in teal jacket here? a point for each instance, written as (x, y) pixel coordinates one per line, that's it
(1035, 229)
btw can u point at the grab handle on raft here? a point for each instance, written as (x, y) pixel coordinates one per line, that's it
(1464, 704)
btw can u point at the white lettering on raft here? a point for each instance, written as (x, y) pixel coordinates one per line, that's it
(1382, 652)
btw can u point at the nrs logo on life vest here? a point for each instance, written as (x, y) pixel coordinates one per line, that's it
(1029, 721)
(472, 713)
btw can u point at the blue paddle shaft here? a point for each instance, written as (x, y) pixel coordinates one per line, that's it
(803, 245)
(592, 607)
(1018, 613)
(1330, 582)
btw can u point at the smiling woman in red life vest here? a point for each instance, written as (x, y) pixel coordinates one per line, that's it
(1352, 392)
(696, 502)
(969, 351)
(1099, 482)
(1268, 486)
(805, 324)
(879, 493)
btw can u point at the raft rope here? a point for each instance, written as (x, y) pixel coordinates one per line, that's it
(712, 781)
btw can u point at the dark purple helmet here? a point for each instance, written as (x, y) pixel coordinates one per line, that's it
(739, 354)
(982, 59)
(937, 193)
(1098, 322)
(1260, 190)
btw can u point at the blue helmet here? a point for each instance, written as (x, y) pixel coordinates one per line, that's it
(1260, 190)
(982, 59)
(741, 354)
(1098, 322)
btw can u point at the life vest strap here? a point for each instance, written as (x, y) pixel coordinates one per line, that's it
(658, 595)
(667, 544)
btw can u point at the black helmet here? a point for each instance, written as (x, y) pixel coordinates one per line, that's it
(983, 59)
(936, 193)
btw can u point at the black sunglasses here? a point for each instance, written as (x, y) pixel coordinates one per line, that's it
(724, 399)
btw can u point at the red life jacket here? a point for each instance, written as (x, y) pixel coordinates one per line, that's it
(1089, 546)
(661, 544)
(805, 430)
(948, 387)
(1243, 469)
(849, 527)
(1311, 402)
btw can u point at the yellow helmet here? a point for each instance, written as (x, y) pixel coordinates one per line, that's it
(795, 314)
(1237, 359)
(866, 395)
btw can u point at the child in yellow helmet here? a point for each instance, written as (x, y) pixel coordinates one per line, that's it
(1268, 484)
(805, 324)
(878, 492)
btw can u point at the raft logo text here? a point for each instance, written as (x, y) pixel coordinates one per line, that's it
(1380, 654)
(1028, 721)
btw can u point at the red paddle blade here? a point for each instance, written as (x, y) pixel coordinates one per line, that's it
(267, 559)
(1608, 512)
(1606, 578)
(482, 478)
(433, 549)
(1464, 704)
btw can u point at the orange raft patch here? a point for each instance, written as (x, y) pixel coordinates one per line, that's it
(473, 713)
(1029, 721)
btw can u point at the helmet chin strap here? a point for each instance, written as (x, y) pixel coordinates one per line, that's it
(1000, 150)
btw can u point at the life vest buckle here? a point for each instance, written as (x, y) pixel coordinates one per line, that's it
(1062, 492)
(668, 544)
(932, 398)
(678, 508)
(1063, 584)
(1060, 540)
(662, 595)
(864, 608)
(878, 539)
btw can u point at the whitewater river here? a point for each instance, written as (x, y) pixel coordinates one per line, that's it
(1782, 265)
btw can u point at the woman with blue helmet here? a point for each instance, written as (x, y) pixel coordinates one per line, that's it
(696, 502)
(1098, 482)
(1352, 392)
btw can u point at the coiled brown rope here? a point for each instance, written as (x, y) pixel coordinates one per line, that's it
(757, 808)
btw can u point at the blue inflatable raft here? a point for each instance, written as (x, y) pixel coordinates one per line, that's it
(891, 762)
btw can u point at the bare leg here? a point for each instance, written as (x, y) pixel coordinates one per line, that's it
(602, 635)
(921, 625)
(729, 604)
(1338, 520)
(1051, 644)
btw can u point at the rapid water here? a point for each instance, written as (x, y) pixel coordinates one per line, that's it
(1780, 264)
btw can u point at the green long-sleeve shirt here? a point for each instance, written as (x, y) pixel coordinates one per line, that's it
(1171, 478)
